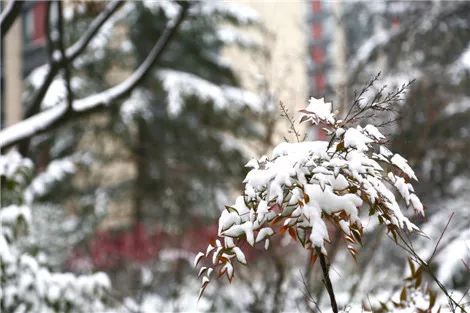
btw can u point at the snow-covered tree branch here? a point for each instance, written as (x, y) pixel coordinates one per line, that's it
(60, 113)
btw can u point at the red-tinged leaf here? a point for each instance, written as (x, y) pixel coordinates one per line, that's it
(357, 235)
(223, 259)
(313, 257)
(353, 252)
(349, 239)
(293, 233)
(276, 208)
(201, 291)
(230, 278)
(198, 258)
(282, 230)
(202, 271)
(306, 198)
(222, 272)
(276, 220)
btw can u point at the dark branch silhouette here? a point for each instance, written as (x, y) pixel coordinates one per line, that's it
(9, 15)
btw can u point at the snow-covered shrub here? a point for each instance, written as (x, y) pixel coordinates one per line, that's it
(27, 284)
(305, 186)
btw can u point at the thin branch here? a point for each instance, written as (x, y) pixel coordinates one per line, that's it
(307, 293)
(59, 114)
(290, 119)
(440, 238)
(327, 281)
(65, 61)
(426, 267)
(9, 15)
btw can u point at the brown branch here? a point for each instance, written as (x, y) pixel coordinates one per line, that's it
(9, 15)
(327, 281)
(65, 61)
(52, 118)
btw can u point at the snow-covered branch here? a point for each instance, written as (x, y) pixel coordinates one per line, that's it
(53, 117)
(305, 186)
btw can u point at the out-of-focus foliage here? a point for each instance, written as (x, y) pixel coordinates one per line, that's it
(165, 158)
(27, 283)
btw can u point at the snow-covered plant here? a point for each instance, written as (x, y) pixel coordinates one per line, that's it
(27, 284)
(305, 187)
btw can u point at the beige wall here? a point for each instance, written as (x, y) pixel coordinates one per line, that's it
(285, 72)
(13, 73)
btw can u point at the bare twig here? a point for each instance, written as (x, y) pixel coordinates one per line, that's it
(290, 119)
(427, 268)
(307, 293)
(362, 109)
(440, 238)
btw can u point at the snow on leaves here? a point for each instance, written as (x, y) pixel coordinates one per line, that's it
(27, 283)
(304, 186)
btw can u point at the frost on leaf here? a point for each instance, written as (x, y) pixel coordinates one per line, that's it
(301, 187)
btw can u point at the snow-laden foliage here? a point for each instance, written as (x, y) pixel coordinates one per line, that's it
(27, 283)
(303, 187)
(180, 85)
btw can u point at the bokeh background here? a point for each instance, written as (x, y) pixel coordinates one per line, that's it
(135, 188)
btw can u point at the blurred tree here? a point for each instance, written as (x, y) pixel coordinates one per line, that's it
(168, 156)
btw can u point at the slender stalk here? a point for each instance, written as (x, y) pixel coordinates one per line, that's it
(327, 281)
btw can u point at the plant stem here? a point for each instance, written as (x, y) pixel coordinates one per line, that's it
(327, 281)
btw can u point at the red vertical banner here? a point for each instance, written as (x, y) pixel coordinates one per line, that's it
(39, 15)
(316, 6)
(317, 30)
